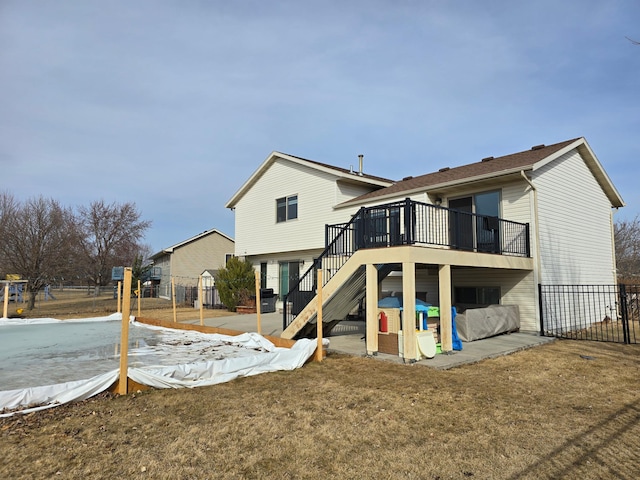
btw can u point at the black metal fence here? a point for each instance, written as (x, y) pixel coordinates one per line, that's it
(189, 295)
(406, 223)
(606, 313)
(186, 291)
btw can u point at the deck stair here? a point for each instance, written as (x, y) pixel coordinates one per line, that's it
(342, 295)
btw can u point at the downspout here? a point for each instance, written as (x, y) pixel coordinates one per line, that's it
(613, 249)
(537, 274)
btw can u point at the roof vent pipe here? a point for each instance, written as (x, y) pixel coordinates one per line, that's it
(361, 159)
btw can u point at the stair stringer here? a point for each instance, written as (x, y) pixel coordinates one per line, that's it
(309, 313)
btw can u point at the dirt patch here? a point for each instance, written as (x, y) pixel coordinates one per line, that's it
(568, 409)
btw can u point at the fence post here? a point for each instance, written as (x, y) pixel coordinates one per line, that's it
(624, 311)
(284, 311)
(5, 309)
(124, 333)
(119, 296)
(173, 297)
(201, 299)
(319, 325)
(540, 303)
(258, 302)
(408, 222)
(359, 226)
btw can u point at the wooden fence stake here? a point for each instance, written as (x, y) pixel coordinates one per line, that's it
(258, 302)
(124, 337)
(201, 299)
(119, 296)
(139, 297)
(319, 353)
(173, 296)
(5, 310)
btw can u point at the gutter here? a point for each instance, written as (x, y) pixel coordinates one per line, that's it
(431, 188)
(613, 247)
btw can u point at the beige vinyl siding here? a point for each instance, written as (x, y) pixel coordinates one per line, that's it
(347, 191)
(257, 231)
(516, 202)
(426, 285)
(575, 228)
(164, 262)
(516, 288)
(304, 258)
(191, 259)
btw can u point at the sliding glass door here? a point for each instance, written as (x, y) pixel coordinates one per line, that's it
(480, 231)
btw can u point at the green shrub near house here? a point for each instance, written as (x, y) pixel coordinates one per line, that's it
(236, 283)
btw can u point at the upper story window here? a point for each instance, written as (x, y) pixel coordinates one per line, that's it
(286, 208)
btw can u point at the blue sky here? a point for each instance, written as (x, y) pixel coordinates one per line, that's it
(172, 105)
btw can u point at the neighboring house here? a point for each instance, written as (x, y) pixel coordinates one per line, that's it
(487, 233)
(186, 261)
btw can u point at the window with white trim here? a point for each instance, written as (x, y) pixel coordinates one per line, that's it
(286, 208)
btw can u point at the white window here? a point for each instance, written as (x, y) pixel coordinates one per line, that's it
(286, 208)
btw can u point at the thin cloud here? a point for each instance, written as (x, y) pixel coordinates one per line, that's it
(173, 105)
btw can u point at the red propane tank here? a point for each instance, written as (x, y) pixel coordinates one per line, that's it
(383, 323)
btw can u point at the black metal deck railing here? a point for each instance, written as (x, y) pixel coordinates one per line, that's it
(406, 223)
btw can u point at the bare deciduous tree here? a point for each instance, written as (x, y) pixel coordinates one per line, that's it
(37, 236)
(627, 240)
(109, 236)
(8, 209)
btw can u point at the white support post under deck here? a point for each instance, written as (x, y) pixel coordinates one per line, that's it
(446, 333)
(372, 309)
(409, 310)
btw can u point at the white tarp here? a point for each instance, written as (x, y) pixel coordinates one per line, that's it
(39, 321)
(198, 359)
(38, 398)
(212, 372)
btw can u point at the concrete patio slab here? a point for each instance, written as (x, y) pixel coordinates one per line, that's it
(348, 338)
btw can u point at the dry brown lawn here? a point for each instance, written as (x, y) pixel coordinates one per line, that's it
(568, 409)
(78, 304)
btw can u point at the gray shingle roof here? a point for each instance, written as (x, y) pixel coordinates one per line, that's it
(487, 166)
